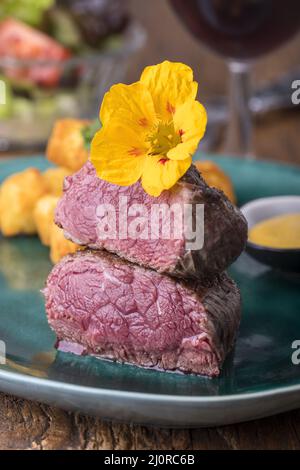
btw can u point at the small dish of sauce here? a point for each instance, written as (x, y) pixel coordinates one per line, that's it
(274, 231)
(282, 231)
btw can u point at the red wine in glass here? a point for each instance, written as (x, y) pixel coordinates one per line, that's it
(240, 30)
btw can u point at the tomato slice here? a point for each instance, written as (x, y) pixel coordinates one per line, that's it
(20, 41)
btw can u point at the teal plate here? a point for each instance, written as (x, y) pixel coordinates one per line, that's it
(259, 378)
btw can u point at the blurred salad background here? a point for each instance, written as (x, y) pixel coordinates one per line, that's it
(57, 58)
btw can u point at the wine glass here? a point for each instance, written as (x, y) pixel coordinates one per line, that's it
(240, 30)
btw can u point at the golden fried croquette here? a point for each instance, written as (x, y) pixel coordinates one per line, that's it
(66, 144)
(54, 178)
(49, 233)
(59, 245)
(215, 177)
(44, 216)
(18, 196)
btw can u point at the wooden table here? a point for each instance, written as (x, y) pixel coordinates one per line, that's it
(30, 425)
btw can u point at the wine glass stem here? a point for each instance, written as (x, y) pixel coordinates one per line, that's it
(239, 132)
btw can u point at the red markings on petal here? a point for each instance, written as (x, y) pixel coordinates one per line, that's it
(135, 152)
(162, 161)
(181, 132)
(170, 108)
(143, 122)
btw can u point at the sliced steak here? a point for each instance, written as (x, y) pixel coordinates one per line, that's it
(102, 305)
(225, 229)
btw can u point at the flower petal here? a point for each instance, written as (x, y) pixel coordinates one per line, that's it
(190, 122)
(160, 173)
(170, 85)
(132, 103)
(118, 154)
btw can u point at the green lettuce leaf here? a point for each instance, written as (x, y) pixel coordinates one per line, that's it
(28, 11)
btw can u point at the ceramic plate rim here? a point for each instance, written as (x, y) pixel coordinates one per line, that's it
(98, 391)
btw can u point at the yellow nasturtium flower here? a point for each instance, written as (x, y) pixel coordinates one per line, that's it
(150, 129)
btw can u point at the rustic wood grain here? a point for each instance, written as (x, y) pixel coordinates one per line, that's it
(30, 425)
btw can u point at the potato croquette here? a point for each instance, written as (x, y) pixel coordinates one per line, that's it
(44, 216)
(18, 196)
(66, 144)
(215, 177)
(59, 245)
(54, 178)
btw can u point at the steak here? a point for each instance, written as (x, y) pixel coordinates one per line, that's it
(225, 229)
(105, 306)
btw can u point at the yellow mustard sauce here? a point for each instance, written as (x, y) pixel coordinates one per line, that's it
(282, 231)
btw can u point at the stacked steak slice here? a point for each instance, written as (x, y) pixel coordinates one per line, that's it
(150, 302)
(100, 304)
(225, 229)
